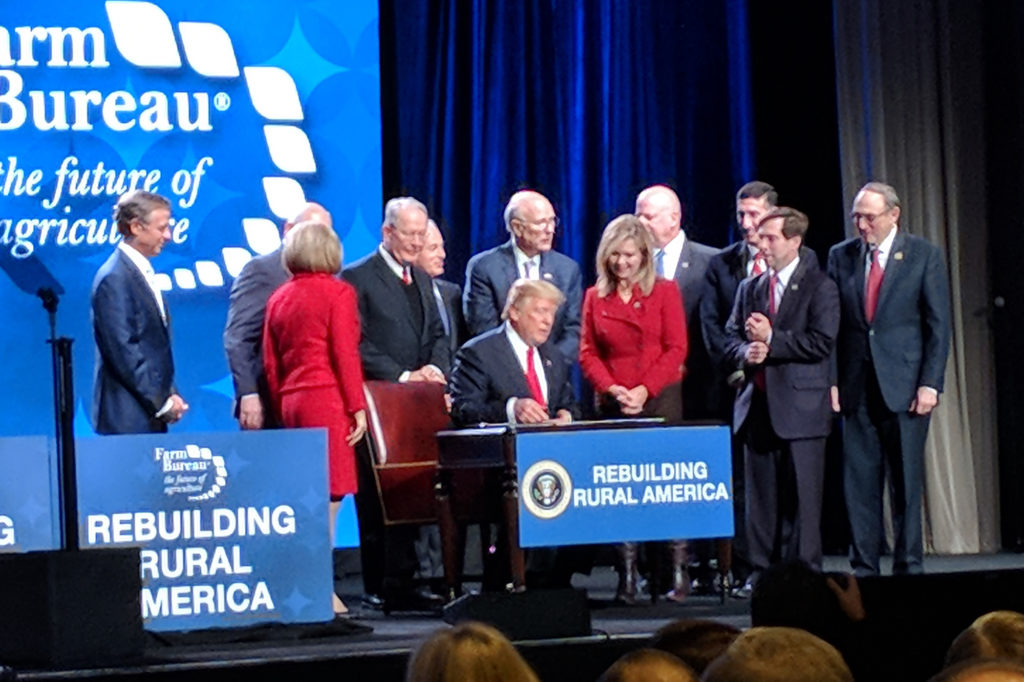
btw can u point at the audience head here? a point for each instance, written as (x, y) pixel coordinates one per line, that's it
(781, 232)
(792, 594)
(753, 200)
(311, 247)
(696, 642)
(659, 209)
(625, 254)
(531, 308)
(143, 219)
(776, 654)
(648, 665)
(310, 212)
(990, 670)
(404, 228)
(431, 258)
(468, 652)
(530, 219)
(999, 634)
(875, 212)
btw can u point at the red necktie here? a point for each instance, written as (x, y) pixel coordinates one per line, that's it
(531, 379)
(406, 275)
(773, 302)
(873, 287)
(758, 265)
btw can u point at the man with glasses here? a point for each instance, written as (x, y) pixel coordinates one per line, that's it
(402, 340)
(530, 220)
(891, 359)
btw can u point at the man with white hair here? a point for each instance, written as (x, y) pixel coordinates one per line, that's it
(447, 295)
(531, 222)
(243, 333)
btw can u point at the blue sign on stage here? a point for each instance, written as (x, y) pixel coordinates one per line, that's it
(615, 485)
(28, 518)
(232, 526)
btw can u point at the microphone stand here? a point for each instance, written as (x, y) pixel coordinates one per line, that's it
(64, 405)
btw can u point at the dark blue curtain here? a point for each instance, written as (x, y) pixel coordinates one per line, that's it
(586, 101)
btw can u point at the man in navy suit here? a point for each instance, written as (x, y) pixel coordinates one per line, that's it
(447, 295)
(726, 269)
(507, 374)
(783, 329)
(243, 333)
(134, 387)
(530, 220)
(891, 362)
(686, 261)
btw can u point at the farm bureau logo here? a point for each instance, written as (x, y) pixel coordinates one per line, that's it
(547, 489)
(193, 471)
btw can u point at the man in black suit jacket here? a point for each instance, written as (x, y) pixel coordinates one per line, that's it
(403, 338)
(492, 382)
(243, 333)
(447, 295)
(686, 261)
(726, 269)
(783, 329)
(530, 220)
(134, 385)
(891, 362)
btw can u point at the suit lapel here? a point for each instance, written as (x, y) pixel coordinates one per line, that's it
(791, 293)
(515, 372)
(738, 261)
(546, 274)
(395, 294)
(894, 267)
(142, 290)
(859, 254)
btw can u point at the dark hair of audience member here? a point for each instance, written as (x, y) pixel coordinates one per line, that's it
(776, 654)
(792, 594)
(648, 665)
(982, 670)
(696, 642)
(998, 634)
(468, 652)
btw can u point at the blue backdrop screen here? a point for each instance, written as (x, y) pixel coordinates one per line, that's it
(237, 111)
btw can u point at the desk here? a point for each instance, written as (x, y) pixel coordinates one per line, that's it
(587, 483)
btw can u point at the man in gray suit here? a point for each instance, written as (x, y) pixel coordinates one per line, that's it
(891, 361)
(243, 333)
(685, 261)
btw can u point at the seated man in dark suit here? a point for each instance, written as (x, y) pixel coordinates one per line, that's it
(530, 220)
(506, 374)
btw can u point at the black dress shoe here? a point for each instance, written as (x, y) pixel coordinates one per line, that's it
(374, 602)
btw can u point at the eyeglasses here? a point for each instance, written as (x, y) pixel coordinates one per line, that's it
(552, 223)
(870, 218)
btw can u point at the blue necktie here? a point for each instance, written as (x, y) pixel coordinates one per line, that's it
(442, 310)
(659, 262)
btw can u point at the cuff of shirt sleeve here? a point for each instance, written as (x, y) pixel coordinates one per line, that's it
(510, 410)
(165, 409)
(404, 377)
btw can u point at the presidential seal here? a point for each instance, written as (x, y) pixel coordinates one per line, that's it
(547, 489)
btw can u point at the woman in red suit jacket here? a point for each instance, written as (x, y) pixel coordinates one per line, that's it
(311, 355)
(632, 351)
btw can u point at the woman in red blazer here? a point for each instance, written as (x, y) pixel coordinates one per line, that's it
(632, 351)
(311, 355)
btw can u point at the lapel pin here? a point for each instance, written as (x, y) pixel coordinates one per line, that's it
(794, 287)
(898, 255)
(547, 275)
(686, 264)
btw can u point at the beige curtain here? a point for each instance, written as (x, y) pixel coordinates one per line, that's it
(909, 101)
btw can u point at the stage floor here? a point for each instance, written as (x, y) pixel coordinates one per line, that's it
(371, 643)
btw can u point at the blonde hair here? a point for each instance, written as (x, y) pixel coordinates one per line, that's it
(311, 247)
(620, 229)
(524, 289)
(997, 634)
(468, 652)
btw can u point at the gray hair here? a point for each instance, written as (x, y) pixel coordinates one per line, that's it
(888, 192)
(399, 204)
